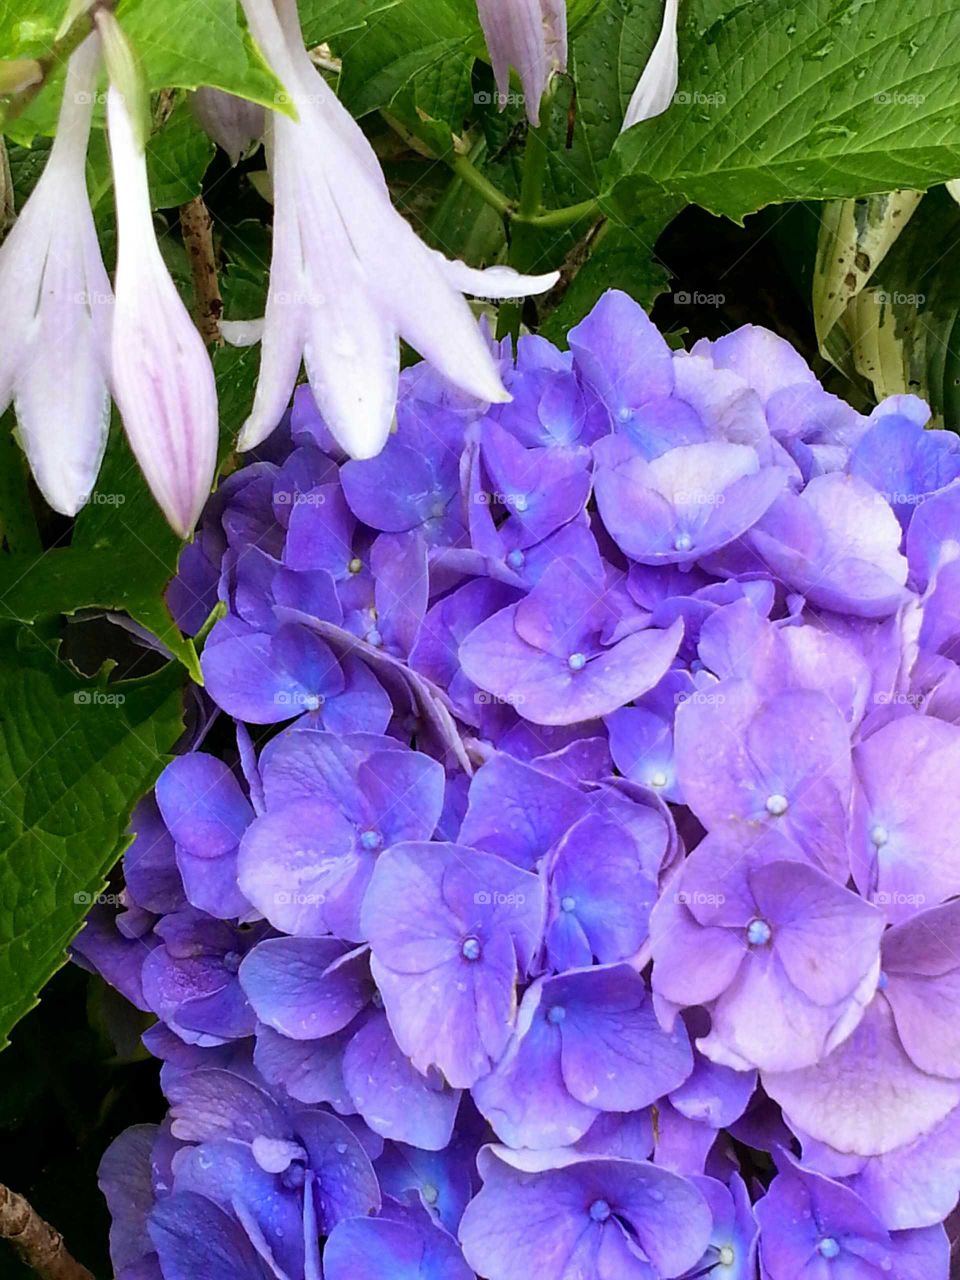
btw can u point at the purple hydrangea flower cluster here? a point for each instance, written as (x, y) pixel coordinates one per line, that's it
(578, 893)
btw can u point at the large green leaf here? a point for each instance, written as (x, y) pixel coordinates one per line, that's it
(818, 99)
(180, 43)
(178, 156)
(323, 20)
(75, 757)
(415, 59)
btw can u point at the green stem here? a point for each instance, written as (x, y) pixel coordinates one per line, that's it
(468, 172)
(562, 217)
(59, 54)
(522, 246)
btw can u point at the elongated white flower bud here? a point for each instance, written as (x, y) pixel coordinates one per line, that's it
(161, 372)
(56, 303)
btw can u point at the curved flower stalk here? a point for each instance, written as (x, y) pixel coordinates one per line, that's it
(658, 83)
(530, 35)
(163, 380)
(56, 301)
(349, 275)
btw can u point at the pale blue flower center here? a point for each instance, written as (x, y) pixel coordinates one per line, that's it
(567, 903)
(515, 559)
(430, 1193)
(577, 661)
(374, 637)
(293, 1177)
(758, 933)
(879, 835)
(683, 542)
(314, 702)
(828, 1247)
(556, 1014)
(600, 1211)
(471, 949)
(882, 981)
(625, 414)
(659, 779)
(777, 805)
(371, 840)
(231, 961)
(355, 565)
(727, 1256)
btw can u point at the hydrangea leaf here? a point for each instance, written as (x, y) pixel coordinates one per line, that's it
(801, 101)
(322, 20)
(180, 44)
(415, 60)
(75, 757)
(177, 158)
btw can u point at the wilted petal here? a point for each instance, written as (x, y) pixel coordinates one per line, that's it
(658, 84)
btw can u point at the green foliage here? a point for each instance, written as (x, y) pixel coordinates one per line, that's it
(178, 156)
(811, 100)
(179, 44)
(74, 756)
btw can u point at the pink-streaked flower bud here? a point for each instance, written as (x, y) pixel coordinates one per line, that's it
(658, 83)
(530, 35)
(56, 303)
(349, 275)
(162, 378)
(233, 123)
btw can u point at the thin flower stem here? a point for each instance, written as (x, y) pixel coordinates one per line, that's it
(39, 1246)
(563, 217)
(467, 171)
(522, 251)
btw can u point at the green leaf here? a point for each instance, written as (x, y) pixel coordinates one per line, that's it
(813, 100)
(123, 552)
(18, 528)
(180, 44)
(414, 59)
(121, 557)
(624, 259)
(75, 757)
(184, 44)
(901, 332)
(178, 156)
(324, 20)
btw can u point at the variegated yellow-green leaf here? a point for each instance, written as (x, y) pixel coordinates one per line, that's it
(855, 237)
